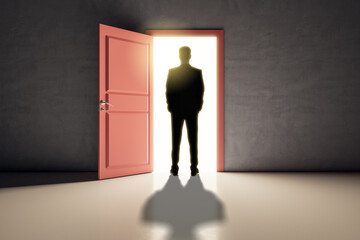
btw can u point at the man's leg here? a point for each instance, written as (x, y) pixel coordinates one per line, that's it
(176, 127)
(192, 130)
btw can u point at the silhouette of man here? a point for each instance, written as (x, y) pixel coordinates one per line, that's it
(184, 95)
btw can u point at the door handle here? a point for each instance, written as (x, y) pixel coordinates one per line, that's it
(102, 103)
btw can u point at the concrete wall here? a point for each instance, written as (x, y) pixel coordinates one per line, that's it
(292, 79)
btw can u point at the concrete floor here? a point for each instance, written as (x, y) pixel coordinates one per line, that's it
(222, 206)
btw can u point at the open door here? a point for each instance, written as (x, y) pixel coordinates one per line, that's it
(125, 102)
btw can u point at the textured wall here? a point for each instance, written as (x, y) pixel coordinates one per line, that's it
(292, 79)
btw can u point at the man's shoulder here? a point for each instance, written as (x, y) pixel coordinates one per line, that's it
(181, 68)
(173, 69)
(195, 69)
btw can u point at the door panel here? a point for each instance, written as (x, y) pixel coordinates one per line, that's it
(128, 66)
(128, 102)
(125, 82)
(128, 136)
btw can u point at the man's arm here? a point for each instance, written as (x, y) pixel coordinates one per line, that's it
(169, 91)
(201, 90)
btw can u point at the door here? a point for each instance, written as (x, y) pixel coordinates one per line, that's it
(125, 102)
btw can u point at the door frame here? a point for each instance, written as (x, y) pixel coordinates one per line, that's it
(219, 34)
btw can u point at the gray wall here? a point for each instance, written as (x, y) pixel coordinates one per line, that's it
(291, 79)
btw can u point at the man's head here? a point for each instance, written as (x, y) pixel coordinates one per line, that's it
(184, 54)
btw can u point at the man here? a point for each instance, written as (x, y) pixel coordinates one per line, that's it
(184, 95)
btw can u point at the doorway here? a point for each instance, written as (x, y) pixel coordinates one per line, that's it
(126, 100)
(205, 55)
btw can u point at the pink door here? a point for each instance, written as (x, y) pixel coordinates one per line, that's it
(125, 119)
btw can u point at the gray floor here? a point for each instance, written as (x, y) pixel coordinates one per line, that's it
(155, 206)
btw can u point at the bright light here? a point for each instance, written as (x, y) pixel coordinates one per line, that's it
(203, 56)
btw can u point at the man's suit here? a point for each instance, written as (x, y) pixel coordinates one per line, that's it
(184, 94)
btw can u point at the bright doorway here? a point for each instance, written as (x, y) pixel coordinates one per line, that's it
(204, 52)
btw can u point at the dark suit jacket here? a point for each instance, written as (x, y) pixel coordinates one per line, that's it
(184, 89)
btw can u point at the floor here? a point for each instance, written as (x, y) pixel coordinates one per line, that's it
(222, 206)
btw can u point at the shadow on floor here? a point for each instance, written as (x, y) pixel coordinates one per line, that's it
(20, 179)
(182, 209)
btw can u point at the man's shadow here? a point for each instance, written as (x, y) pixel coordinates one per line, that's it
(183, 208)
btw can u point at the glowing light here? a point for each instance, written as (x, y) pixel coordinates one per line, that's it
(203, 56)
